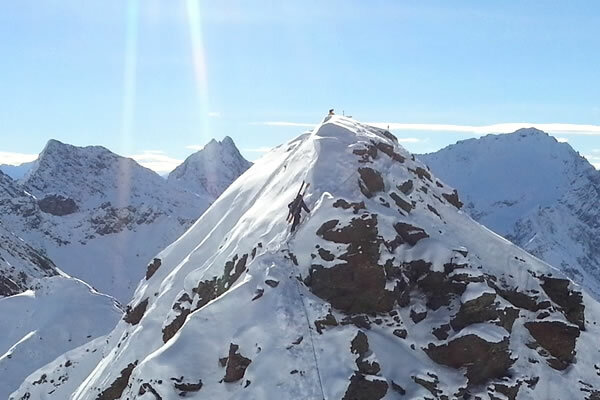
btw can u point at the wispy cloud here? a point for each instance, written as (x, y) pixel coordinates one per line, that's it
(556, 128)
(283, 123)
(214, 114)
(262, 149)
(156, 160)
(562, 139)
(10, 158)
(409, 140)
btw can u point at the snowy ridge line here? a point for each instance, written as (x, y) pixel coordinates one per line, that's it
(380, 283)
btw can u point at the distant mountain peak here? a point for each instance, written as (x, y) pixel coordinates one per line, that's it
(212, 169)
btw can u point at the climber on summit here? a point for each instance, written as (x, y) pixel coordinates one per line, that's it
(329, 115)
(296, 207)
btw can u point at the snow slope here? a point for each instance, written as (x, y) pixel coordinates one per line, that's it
(60, 314)
(386, 291)
(533, 190)
(43, 312)
(210, 170)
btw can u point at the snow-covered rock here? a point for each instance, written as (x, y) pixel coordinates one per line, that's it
(533, 190)
(212, 169)
(100, 216)
(386, 290)
(20, 264)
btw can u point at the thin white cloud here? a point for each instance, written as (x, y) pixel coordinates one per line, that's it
(283, 123)
(11, 158)
(555, 128)
(214, 114)
(565, 129)
(195, 147)
(409, 140)
(262, 149)
(157, 161)
(562, 139)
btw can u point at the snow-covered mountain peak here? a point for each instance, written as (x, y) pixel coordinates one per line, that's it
(534, 190)
(385, 290)
(210, 170)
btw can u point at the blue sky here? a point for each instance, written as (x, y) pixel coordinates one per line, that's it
(156, 79)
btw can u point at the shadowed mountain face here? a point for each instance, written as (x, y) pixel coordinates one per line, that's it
(533, 190)
(385, 290)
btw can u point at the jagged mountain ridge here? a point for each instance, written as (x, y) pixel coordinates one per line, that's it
(99, 216)
(533, 190)
(376, 296)
(210, 170)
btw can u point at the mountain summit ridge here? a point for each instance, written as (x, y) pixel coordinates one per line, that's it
(376, 295)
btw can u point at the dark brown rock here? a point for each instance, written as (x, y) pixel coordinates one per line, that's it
(134, 315)
(360, 344)
(417, 316)
(116, 389)
(398, 389)
(478, 310)
(58, 205)
(341, 203)
(147, 388)
(404, 205)
(329, 320)
(353, 288)
(430, 385)
(409, 233)
(570, 301)
(441, 332)
(152, 268)
(483, 360)
(370, 181)
(188, 387)
(406, 187)
(361, 388)
(236, 364)
(326, 255)
(453, 199)
(171, 329)
(401, 333)
(509, 391)
(8, 287)
(557, 338)
(422, 173)
(271, 282)
(389, 151)
(507, 317)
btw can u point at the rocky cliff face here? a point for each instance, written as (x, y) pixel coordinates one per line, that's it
(533, 190)
(387, 290)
